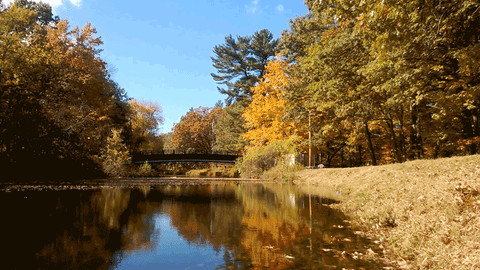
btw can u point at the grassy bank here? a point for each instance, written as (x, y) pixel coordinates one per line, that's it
(214, 172)
(425, 213)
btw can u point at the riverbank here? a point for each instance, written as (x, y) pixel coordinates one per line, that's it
(115, 183)
(425, 213)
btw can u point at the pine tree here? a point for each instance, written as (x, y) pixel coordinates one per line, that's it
(241, 62)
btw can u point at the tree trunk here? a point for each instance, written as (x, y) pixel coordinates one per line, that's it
(342, 158)
(358, 160)
(370, 144)
(402, 136)
(476, 131)
(396, 150)
(329, 159)
(436, 149)
(470, 128)
(416, 150)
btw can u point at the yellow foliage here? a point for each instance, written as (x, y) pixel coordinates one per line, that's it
(263, 117)
(145, 119)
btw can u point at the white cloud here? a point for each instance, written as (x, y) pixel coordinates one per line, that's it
(53, 3)
(253, 7)
(280, 8)
(76, 2)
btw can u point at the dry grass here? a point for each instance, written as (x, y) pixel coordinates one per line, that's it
(425, 212)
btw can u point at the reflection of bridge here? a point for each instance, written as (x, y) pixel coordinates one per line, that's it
(166, 156)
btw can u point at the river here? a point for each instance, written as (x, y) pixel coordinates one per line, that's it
(167, 225)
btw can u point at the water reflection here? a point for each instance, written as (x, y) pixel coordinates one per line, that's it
(221, 226)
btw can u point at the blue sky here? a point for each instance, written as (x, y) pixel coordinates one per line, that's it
(160, 50)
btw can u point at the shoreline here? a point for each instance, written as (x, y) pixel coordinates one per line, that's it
(425, 213)
(124, 183)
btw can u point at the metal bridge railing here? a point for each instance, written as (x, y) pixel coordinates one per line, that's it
(187, 151)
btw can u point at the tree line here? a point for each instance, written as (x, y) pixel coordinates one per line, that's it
(61, 113)
(359, 83)
(371, 82)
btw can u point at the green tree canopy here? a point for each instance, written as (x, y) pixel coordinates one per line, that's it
(229, 129)
(240, 62)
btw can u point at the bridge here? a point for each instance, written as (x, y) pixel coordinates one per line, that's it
(168, 156)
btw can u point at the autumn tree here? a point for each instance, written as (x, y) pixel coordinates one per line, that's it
(322, 93)
(57, 100)
(434, 62)
(145, 119)
(390, 77)
(195, 130)
(115, 155)
(44, 14)
(264, 116)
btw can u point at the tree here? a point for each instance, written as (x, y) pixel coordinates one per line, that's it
(399, 74)
(324, 92)
(229, 129)
(145, 119)
(44, 11)
(241, 62)
(304, 31)
(165, 137)
(264, 116)
(57, 101)
(115, 155)
(195, 130)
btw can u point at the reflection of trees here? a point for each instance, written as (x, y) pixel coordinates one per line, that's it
(282, 231)
(109, 221)
(231, 261)
(266, 226)
(110, 204)
(127, 212)
(265, 238)
(215, 224)
(271, 224)
(204, 214)
(255, 226)
(208, 215)
(288, 229)
(54, 230)
(74, 229)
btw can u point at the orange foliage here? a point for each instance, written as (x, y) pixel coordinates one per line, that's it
(195, 130)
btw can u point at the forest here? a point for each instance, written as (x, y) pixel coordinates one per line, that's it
(61, 114)
(364, 83)
(359, 83)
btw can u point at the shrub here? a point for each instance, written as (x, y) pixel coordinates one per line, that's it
(256, 161)
(145, 169)
(283, 172)
(115, 155)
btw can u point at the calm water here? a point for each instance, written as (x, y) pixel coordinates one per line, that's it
(214, 226)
